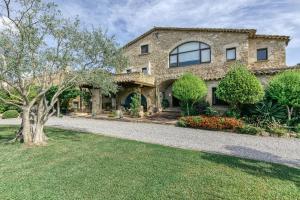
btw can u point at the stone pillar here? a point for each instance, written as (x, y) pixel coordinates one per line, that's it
(81, 101)
(158, 101)
(96, 102)
(139, 92)
(113, 103)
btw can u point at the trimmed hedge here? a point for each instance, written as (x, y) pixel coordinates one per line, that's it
(10, 114)
(212, 123)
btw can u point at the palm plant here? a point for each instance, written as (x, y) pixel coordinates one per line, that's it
(267, 111)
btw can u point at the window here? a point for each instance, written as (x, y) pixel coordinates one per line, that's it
(215, 100)
(144, 70)
(145, 49)
(190, 53)
(128, 71)
(231, 54)
(262, 54)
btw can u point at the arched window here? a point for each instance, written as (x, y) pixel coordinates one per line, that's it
(190, 53)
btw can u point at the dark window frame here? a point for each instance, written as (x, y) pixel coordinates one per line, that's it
(215, 100)
(228, 49)
(128, 71)
(198, 61)
(145, 70)
(262, 49)
(142, 49)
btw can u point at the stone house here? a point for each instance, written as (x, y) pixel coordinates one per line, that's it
(161, 55)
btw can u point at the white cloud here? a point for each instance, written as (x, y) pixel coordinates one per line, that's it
(129, 18)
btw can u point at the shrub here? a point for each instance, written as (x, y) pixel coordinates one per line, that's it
(277, 129)
(165, 103)
(232, 113)
(200, 107)
(10, 114)
(189, 89)
(210, 111)
(196, 119)
(250, 130)
(113, 114)
(266, 112)
(65, 97)
(135, 105)
(213, 123)
(285, 88)
(240, 86)
(297, 128)
(2, 107)
(5, 107)
(181, 123)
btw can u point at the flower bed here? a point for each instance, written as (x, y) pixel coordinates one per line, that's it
(213, 123)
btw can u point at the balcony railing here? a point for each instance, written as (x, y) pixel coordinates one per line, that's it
(135, 78)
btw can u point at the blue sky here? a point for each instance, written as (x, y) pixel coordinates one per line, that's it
(126, 19)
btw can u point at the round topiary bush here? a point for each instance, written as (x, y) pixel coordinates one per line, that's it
(240, 86)
(189, 89)
(285, 88)
(10, 114)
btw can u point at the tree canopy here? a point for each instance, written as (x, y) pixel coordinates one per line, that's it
(240, 86)
(39, 49)
(285, 88)
(189, 89)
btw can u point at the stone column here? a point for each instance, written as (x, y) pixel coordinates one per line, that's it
(81, 101)
(113, 103)
(157, 99)
(96, 102)
(139, 92)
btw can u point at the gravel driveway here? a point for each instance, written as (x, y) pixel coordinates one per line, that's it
(277, 150)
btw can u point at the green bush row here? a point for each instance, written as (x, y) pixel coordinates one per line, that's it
(10, 114)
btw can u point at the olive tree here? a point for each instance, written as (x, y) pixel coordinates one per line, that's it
(40, 49)
(189, 89)
(285, 88)
(240, 86)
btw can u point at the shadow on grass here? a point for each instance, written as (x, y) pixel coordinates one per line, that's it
(8, 133)
(6, 138)
(61, 134)
(257, 168)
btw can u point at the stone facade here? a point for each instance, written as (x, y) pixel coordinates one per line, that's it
(162, 41)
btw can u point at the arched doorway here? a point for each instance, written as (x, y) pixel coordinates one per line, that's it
(128, 101)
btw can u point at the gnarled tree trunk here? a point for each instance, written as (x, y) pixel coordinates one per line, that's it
(39, 137)
(58, 109)
(26, 126)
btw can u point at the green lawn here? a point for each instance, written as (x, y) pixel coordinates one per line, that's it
(85, 166)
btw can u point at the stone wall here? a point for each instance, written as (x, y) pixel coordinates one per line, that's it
(162, 42)
(276, 53)
(148, 92)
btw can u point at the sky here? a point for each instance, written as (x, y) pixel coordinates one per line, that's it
(127, 19)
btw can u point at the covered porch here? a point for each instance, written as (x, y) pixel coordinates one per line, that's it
(128, 84)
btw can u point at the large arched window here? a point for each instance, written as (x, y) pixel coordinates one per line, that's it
(190, 53)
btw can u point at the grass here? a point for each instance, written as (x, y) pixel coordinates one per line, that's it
(77, 165)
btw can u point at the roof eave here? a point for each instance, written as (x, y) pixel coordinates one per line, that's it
(250, 32)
